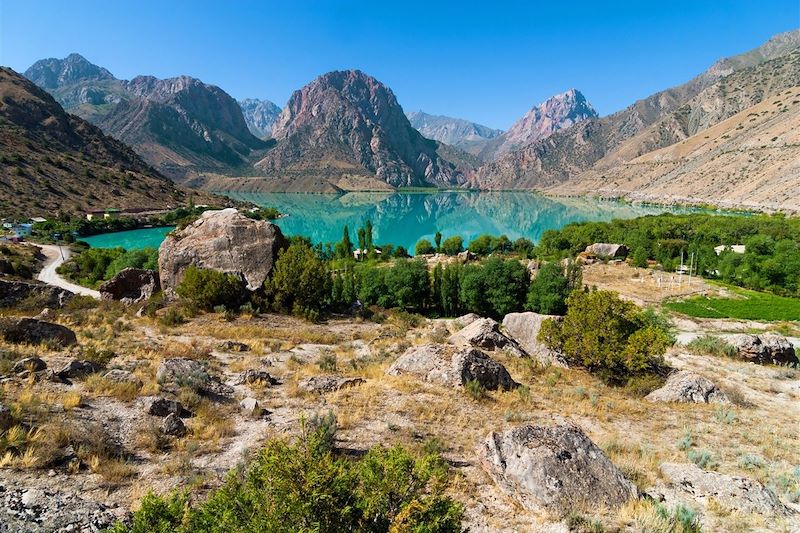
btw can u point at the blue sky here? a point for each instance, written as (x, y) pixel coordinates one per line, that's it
(485, 61)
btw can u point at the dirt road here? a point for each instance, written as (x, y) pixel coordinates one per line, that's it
(54, 256)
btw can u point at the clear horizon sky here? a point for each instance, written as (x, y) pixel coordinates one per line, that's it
(486, 62)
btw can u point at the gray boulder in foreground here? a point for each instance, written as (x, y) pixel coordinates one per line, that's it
(223, 240)
(485, 333)
(13, 292)
(131, 285)
(686, 483)
(181, 372)
(607, 250)
(765, 349)
(436, 363)
(556, 469)
(524, 329)
(33, 331)
(688, 387)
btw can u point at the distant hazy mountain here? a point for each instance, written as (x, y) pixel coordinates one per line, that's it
(179, 125)
(453, 131)
(260, 115)
(573, 150)
(345, 129)
(52, 162)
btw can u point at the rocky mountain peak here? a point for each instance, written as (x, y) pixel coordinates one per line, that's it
(53, 73)
(556, 113)
(260, 116)
(346, 123)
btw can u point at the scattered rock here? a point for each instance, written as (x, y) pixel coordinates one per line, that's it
(524, 329)
(6, 420)
(688, 484)
(765, 349)
(32, 331)
(485, 333)
(606, 250)
(122, 376)
(325, 384)
(554, 468)
(173, 425)
(465, 256)
(165, 407)
(437, 363)
(131, 285)
(13, 292)
(31, 510)
(251, 407)
(233, 346)
(465, 320)
(221, 240)
(688, 387)
(28, 364)
(180, 372)
(78, 369)
(250, 377)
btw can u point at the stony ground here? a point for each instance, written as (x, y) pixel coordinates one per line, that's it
(125, 454)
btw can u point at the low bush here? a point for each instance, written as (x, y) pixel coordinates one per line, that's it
(711, 345)
(305, 486)
(209, 288)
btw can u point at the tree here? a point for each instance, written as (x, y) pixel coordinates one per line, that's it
(639, 258)
(407, 282)
(453, 245)
(607, 335)
(495, 288)
(210, 288)
(423, 247)
(450, 301)
(481, 245)
(368, 235)
(362, 239)
(372, 287)
(437, 239)
(300, 280)
(345, 248)
(436, 286)
(548, 291)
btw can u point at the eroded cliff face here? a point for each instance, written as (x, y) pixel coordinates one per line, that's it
(348, 123)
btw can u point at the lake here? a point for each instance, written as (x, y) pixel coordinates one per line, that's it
(405, 218)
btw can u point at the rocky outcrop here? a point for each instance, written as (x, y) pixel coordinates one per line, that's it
(457, 132)
(256, 377)
(122, 376)
(689, 485)
(78, 369)
(180, 372)
(607, 250)
(524, 329)
(131, 285)
(173, 425)
(33, 331)
(557, 469)
(485, 333)
(326, 384)
(452, 367)
(164, 407)
(234, 346)
(29, 364)
(33, 510)
(251, 407)
(260, 116)
(14, 292)
(688, 387)
(224, 240)
(347, 123)
(765, 349)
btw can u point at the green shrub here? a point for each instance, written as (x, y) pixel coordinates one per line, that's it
(609, 336)
(453, 245)
(475, 390)
(550, 288)
(495, 288)
(300, 280)
(424, 247)
(209, 288)
(304, 486)
(712, 345)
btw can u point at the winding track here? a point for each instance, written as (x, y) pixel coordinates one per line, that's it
(54, 256)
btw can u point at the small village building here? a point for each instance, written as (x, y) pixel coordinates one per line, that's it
(735, 248)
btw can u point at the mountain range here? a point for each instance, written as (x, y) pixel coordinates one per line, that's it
(346, 131)
(52, 162)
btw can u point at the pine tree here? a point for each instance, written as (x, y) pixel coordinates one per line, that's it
(368, 236)
(347, 245)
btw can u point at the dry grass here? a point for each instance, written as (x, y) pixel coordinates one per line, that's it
(96, 385)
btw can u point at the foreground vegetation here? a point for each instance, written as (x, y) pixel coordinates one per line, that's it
(305, 486)
(93, 266)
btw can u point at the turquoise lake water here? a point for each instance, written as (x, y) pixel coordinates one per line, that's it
(405, 218)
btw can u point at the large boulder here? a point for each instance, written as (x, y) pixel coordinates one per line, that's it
(524, 329)
(33, 331)
(76, 368)
(687, 484)
(454, 367)
(224, 240)
(556, 469)
(29, 364)
(485, 333)
(180, 372)
(158, 406)
(131, 285)
(13, 292)
(607, 250)
(688, 387)
(765, 349)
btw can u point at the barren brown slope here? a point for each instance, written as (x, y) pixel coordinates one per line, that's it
(569, 152)
(751, 159)
(52, 162)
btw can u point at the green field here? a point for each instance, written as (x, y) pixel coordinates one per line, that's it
(747, 305)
